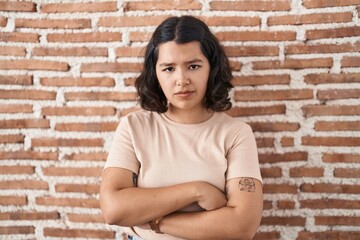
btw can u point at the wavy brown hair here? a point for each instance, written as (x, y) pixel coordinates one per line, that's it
(185, 29)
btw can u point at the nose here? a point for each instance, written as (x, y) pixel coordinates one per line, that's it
(182, 78)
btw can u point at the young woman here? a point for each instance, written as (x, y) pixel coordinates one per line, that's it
(182, 168)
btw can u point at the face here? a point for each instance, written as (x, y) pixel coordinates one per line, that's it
(183, 72)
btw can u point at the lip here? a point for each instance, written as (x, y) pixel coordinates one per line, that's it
(184, 94)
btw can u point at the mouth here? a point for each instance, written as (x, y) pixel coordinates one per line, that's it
(184, 94)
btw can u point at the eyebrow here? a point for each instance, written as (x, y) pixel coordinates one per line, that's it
(196, 60)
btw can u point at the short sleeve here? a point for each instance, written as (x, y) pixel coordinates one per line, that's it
(242, 156)
(122, 153)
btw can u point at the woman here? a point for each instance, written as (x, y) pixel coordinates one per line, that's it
(181, 168)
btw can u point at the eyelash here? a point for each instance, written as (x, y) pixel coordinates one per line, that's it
(191, 67)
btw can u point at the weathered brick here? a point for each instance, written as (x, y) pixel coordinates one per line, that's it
(329, 203)
(71, 51)
(285, 204)
(314, 18)
(87, 127)
(24, 215)
(236, 51)
(279, 188)
(326, 3)
(274, 126)
(12, 138)
(12, 6)
(287, 141)
(347, 172)
(306, 172)
(330, 110)
(17, 230)
(3, 21)
(19, 37)
(29, 155)
(285, 157)
(12, 51)
(86, 218)
(92, 156)
(274, 235)
(264, 95)
(27, 94)
(130, 52)
(294, 64)
(274, 5)
(17, 169)
(341, 158)
(80, 82)
(24, 123)
(74, 111)
(85, 37)
(16, 108)
(265, 142)
(162, 5)
(68, 202)
(16, 79)
(322, 48)
(66, 142)
(330, 141)
(104, 96)
(324, 235)
(77, 233)
(13, 200)
(273, 172)
(337, 126)
(63, 171)
(253, 111)
(34, 65)
(139, 36)
(24, 184)
(82, 188)
(130, 21)
(256, 36)
(350, 61)
(267, 204)
(336, 221)
(338, 94)
(330, 188)
(254, 80)
(235, 65)
(111, 67)
(332, 33)
(283, 221)
(321, 78)
(109, 6)
(53, 23)
(231, 21)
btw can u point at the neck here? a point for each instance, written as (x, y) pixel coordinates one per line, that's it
(188, 116)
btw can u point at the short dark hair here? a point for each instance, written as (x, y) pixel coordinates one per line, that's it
(185, 29)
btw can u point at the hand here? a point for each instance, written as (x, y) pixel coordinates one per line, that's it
(209, 197)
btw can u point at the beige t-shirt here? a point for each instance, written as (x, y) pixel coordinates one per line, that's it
(163, 153)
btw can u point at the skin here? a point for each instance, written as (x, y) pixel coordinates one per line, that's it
(183, 71)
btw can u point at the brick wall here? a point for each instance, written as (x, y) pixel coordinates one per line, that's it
(66, 77)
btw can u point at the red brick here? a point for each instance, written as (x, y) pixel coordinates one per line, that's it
(347, 172)
(12, 6)
(341, 158)
(130, 52)
(330, 141)
(24, 184)
(111, 67)
(79, 7)
(66, 142)
(333, 33)
(327, 3)
(12, 51)
(332, 78)
(274, 126)
(330, 203)
(28, 155)
(331, 110)
(72, 51)
(24, 215)
(17, 230)
(68, 202)
(82, 188)
(85, 218)
(280, 188)
(12, 138)
(34, 65)
(337, 126)
(80, 82)
(87, 127)
(16, 108)
(162, 5)
(265, 95)
(338, 94)
(53, 23)
(256, 36)
(237, 51)
(17, 169)
(330, 188)
(84, 37)
(75, 111)
(19, 37)
(78, 233)
(24, 123)
(265, 142)
(130, 21)
(231, 21)
(267, 204)
(325, 235)
(314, 18)
(139, 36)
(285, 157)
(103, 96)
(235, 65)
(251, 6)
(13, 200)
(321, 48)
(306, 172)
(16, 79)
(286, 204)
(255, 80)
(63, 171)
(283, 221)
(294, 64)
(287, 141)
(336, 221)
(350, 61)
(273, 172)
(92, 156)
(254, 111)
(27, 94)
(267, 236)
(3, 21)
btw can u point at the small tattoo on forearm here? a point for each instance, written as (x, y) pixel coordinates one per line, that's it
(247, 184)
(134, 179)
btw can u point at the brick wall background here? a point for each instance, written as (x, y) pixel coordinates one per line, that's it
(66, 77)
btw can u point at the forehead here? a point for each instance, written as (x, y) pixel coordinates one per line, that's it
(175, 52)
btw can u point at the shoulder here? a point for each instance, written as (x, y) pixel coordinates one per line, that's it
(139, 119)
(232, 124)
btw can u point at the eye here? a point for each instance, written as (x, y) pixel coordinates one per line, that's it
(168, 69)
(194, 66)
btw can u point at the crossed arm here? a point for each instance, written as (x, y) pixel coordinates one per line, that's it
(235, 216)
